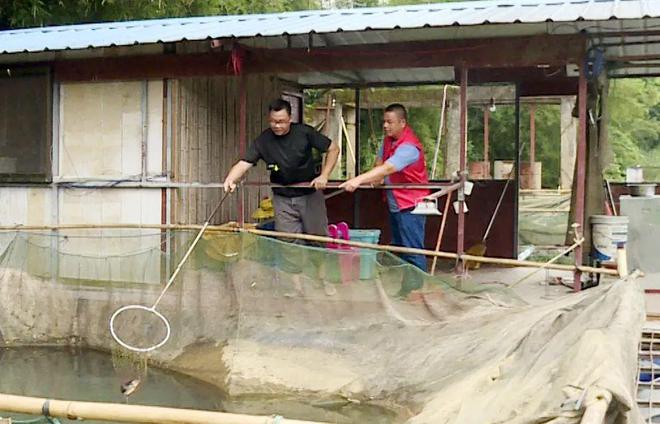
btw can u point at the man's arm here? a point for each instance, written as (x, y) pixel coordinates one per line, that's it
(403, 157)
(376, 175)
(235, 174)
(329, 163)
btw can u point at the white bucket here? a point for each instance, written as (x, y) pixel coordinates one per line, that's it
(635, 174)
(606, 232)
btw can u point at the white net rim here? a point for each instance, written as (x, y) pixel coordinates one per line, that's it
(142, 308)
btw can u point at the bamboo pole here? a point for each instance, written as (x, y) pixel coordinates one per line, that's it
(595, 411)
(309, 237)
(447, 255)
(130, 413)
(550, 262)
(441, 232)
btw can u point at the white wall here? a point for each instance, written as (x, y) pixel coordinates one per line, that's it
(101, 133)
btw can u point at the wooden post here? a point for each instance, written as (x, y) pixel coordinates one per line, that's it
(242, 137)
(581, 174)
(349, 129)
(460, 240)
(532, 136)
(568, 135)
(453, 138)
(356, 198)
(486, 132)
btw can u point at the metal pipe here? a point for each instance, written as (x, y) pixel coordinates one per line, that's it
(364, 186)
(83, 183)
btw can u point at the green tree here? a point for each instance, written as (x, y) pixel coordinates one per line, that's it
(30, 13)
(634, 127)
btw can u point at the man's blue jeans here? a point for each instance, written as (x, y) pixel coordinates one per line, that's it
(408, 231)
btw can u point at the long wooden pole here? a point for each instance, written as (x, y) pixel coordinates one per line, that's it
(400, 249)
(551, 261)
(130, 413)
(595, 411)
(309, 237)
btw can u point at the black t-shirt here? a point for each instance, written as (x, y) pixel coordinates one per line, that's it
(290, 158)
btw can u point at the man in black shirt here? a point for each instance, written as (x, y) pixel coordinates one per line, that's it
(288, 151)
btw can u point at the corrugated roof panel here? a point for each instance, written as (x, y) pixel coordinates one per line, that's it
(650, 8)
(479, 16)
(583, 10)
(504, 14)
(627, 10)
(323, 21)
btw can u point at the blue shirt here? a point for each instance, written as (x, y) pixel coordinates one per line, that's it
(404, 155)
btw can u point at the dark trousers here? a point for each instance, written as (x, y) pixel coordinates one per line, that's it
(408, 231)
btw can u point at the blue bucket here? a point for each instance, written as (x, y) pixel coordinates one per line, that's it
(367, 256)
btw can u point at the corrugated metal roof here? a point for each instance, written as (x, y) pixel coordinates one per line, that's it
(323, 22)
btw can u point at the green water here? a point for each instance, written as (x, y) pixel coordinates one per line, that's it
(87, 375)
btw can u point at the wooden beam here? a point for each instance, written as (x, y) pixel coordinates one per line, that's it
(546, 50)
(504, 53)
(549, 87)
(143, 67)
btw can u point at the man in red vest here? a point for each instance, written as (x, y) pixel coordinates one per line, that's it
(401, 160)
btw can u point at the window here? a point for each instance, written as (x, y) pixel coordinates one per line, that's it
(25, 125)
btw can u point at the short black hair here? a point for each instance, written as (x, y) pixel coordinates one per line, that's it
(279, 104)
(399, 109)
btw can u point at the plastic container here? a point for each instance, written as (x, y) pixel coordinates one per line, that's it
(642, 189)
(367, 256)
(635, 174)
(348, 257)
(607, 233)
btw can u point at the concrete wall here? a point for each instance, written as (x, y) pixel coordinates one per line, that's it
(103, 127)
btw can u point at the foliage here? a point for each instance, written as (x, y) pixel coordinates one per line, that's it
(634, 129)
(29, 13)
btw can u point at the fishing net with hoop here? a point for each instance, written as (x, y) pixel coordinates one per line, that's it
(255, 316)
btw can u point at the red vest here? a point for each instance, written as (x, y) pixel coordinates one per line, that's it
(414, 173)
